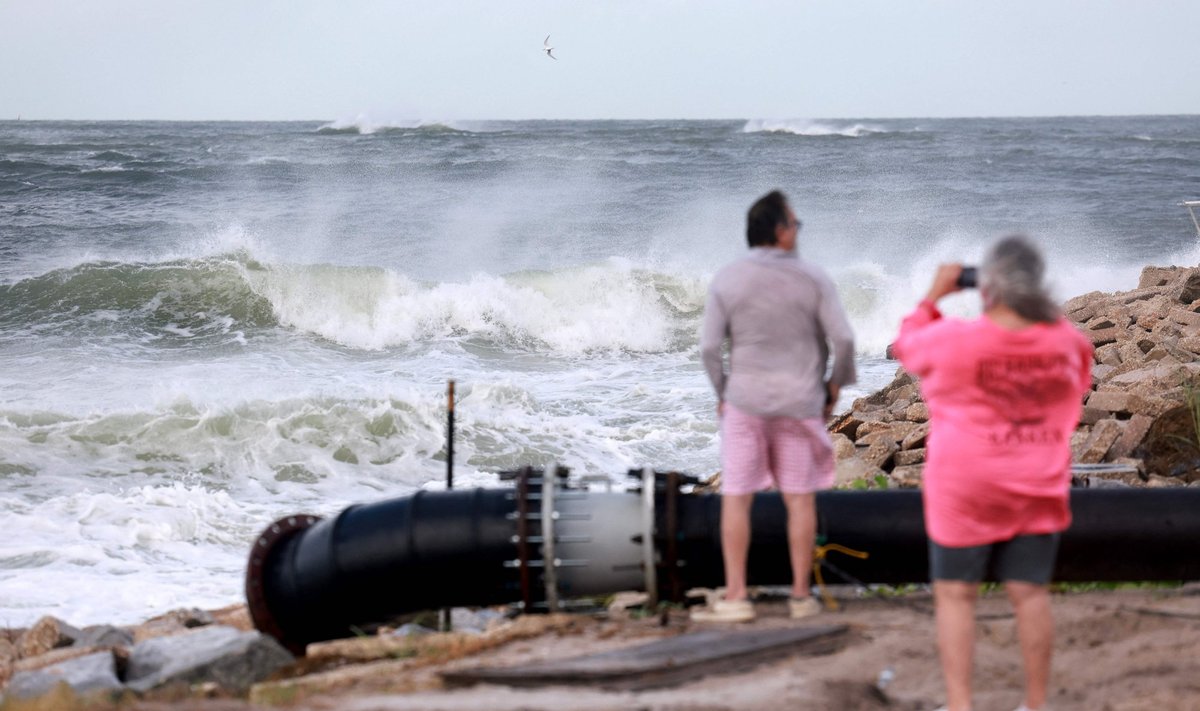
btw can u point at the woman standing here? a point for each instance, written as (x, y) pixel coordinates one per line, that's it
(1004, 393)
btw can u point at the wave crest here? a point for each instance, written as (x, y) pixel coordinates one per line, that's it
(800, 127)
(605, 307)
(363, 126)
(185, 297)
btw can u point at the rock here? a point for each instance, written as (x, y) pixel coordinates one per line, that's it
(846, 424)
(373, 665)
(1162, 482)
(1132, 356)
(916, 438)
(1083, 307)
(63, 654)
(237, 616)
(1092, 415)
(1153, 277)
(1157, 376)
(1108, 355)
(1103, 435)
(1158, 353)
(1185, 317)
(1109, 401)
(873, 427)
(1100, 372)
(1150, 311)
(1187, 291)
(909, 476)
(1191, 344)
(852, 469)
(172, 622)
(908, 457)
(46, 634)
(8, 657)
(843, 447)
(233, 659)
(1132, 436)
(908, 392)
(104, 636)
(1104, 336)
(880, 448)
(917, 412)
(87, 674)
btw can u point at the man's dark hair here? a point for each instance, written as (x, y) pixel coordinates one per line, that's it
(765, 215)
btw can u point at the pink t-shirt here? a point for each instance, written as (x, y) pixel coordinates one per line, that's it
(1002, 407)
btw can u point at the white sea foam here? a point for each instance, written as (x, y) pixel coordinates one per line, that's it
(363, 124)
(806, 127)
(601, 307)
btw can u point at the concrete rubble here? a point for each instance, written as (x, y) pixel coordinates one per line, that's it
(177, 650)
(1137, 426)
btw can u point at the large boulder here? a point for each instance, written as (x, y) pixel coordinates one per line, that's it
(232, 659)
(96, 672)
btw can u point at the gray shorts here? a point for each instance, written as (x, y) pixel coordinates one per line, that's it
(1028, 559)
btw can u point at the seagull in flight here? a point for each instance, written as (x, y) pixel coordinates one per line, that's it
(548, 49)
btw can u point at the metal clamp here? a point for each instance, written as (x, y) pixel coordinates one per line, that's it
(649, 561)
(549, 560)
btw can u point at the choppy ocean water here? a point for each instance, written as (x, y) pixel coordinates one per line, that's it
(207, 326)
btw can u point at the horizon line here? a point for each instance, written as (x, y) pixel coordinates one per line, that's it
(21, 118)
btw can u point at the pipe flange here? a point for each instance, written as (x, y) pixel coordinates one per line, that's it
(256, 598)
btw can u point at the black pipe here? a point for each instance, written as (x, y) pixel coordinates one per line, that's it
(310, 580)
(1115, 535)
(888, 525)
(373, 562)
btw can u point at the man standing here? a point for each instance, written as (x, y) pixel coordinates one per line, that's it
(780, 314)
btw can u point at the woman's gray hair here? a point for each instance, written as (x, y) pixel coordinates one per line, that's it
(1011, 274)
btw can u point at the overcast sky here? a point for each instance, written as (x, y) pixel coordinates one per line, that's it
(478, 59)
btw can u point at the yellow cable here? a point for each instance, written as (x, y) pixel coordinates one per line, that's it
(819, 554)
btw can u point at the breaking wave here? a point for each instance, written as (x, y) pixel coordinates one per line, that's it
(799, 127)
(363, 126)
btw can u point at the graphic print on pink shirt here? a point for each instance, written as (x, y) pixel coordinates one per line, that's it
(1022, 386)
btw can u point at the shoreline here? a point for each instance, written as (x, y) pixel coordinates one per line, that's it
(1128, 649)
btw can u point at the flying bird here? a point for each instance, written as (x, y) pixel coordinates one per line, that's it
(548, 49)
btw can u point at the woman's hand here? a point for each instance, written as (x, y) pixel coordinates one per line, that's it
(945, 281)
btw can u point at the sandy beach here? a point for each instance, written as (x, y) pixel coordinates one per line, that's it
(1116, 650)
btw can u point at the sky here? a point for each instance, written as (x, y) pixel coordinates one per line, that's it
(394, 60)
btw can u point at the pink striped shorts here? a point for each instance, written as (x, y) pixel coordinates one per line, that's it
(755, 451)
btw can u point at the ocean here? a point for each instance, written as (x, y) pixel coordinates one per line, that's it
(207, 326)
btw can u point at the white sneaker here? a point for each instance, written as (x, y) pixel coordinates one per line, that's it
(724, 611)
(806, 607)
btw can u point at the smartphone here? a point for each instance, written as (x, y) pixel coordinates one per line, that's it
(968, 278)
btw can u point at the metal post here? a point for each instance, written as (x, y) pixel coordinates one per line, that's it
(450, 437)
(445, 623)
(1191, 205)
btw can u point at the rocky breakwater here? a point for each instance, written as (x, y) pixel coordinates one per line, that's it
(1140, 423)
(56, 665)
(186, 658)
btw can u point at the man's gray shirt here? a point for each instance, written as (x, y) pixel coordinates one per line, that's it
(780, 314)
